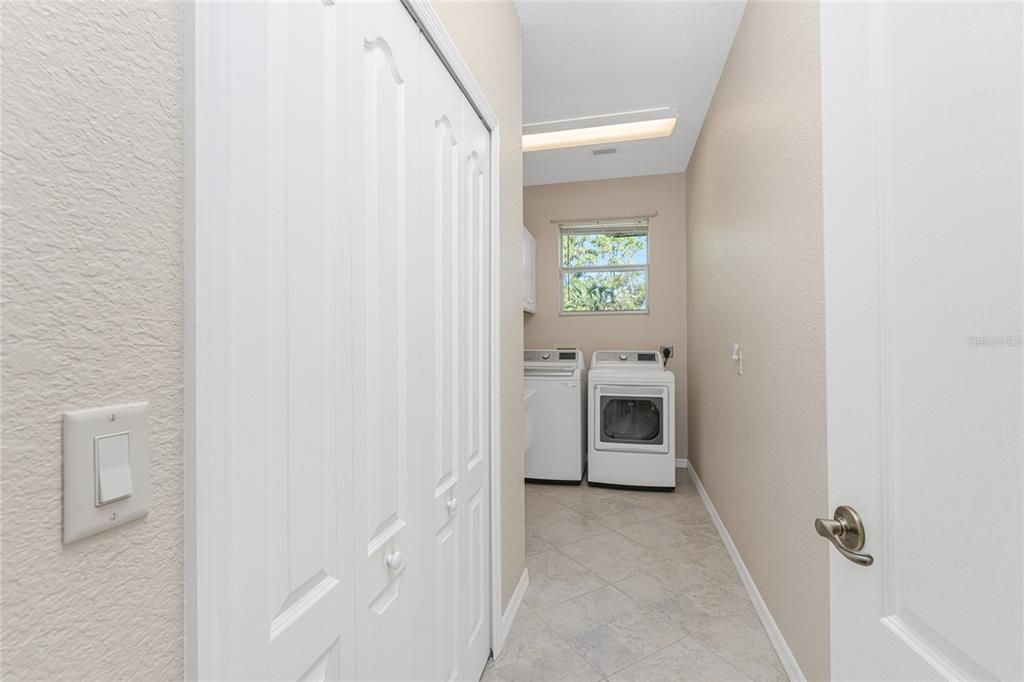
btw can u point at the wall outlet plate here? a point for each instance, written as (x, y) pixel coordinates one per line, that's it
(84, 515)
(668, 352)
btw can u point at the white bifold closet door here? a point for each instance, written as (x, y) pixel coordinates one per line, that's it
(341, 307)
(452, 255)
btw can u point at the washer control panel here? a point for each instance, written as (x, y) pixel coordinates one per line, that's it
(553, 355)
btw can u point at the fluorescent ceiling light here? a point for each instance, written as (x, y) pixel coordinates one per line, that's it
(617, 132)
(607, 119)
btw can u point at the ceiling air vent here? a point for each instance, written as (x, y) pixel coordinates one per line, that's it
(606, 150)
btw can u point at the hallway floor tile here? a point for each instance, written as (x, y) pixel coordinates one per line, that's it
(629, 586)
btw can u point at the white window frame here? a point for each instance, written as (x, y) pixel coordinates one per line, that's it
(638, 225)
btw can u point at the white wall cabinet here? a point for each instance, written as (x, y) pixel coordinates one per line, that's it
(342, 429)
(529, 272)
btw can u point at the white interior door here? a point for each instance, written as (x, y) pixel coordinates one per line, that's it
(922, 116)
(273, 514)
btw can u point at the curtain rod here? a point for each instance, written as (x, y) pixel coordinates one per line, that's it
(598, 221)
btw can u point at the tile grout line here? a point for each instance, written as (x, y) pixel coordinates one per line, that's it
(580, 652)
(567, 642)
(745, 677)
(643, 605)
(606, 583)
(541, 612)
(647, 608)
(536, 613)
(617, 530)
(658, 617)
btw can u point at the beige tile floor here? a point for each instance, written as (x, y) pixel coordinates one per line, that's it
(630, 586)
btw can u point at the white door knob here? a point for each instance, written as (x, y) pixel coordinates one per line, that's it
(453, 504)
(393, 560)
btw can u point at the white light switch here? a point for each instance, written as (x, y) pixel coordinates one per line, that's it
(113, 468)
(106, 468)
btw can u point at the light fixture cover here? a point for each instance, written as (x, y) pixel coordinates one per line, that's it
(616, 132)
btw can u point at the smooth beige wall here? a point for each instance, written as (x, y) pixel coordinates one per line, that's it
(665, 325)
(92, 315)
(488, 36)
(754, 216)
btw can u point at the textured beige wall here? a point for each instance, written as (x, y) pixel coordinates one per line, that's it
(754, 216)
(488, 36)
(92, 315)
(665, 325)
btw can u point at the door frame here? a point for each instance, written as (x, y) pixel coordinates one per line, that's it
(429, 22)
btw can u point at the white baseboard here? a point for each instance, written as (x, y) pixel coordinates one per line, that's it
(774, 634)
(509, 617)
(682, 463)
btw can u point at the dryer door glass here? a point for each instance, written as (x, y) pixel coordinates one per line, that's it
(631, 419)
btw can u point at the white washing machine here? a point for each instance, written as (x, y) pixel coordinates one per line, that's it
(632, 428)
(557, 452)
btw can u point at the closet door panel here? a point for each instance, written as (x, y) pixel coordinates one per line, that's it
(342, 226)
(274, 595)
(305, 460)
(441, 129)
(392, 475)
(455, 201)
(472, 379)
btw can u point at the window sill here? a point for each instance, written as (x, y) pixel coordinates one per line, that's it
(588, 313)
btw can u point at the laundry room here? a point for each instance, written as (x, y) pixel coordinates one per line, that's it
(617, 524)
(646, 276)
(511, 340)
(610, 273)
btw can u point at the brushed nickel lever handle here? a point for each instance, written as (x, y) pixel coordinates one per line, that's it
(846, 533)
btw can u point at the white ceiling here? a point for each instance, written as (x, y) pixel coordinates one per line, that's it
(597, 58)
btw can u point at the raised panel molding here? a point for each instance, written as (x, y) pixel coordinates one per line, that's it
(446, 554)
(380, 277)
(476, 538)
(446, 202)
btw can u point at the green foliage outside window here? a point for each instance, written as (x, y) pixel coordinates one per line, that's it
(604, 271)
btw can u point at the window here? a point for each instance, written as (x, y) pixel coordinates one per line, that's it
(604, 267)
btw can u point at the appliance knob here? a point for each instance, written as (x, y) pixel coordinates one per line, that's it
(623, 356)
(545, 356)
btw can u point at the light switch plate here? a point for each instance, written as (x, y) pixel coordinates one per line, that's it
(96, 436)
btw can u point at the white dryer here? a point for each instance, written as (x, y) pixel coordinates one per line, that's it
(632, 427)
(557, 452)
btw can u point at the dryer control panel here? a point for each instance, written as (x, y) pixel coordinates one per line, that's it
(635, 358)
